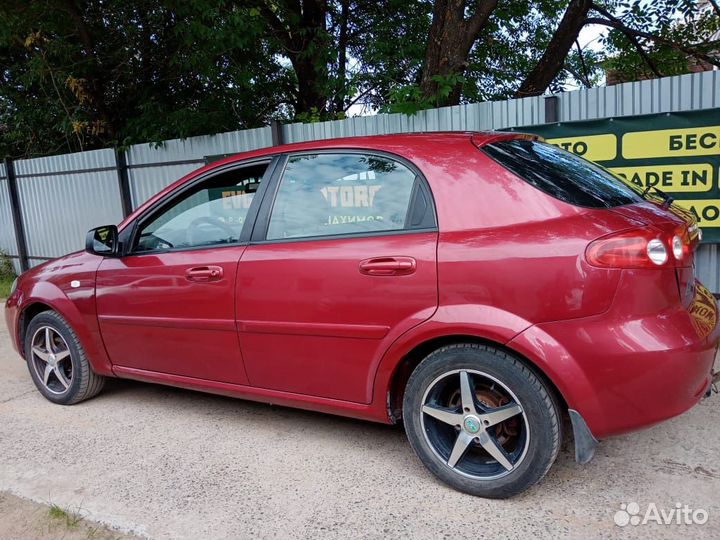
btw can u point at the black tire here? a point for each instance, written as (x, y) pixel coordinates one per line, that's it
(537, 427)
(83, 383)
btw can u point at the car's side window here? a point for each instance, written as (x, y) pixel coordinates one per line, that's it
(211, 213)
(332, 194)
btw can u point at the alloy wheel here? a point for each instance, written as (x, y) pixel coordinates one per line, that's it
(51, 360)
(475, 424)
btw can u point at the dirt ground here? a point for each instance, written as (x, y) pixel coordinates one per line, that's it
(166, 463)
(20, 518)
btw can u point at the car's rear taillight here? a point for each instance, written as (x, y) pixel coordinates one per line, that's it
(645, 247)
(681, 244)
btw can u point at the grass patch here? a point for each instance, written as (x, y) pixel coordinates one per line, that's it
(70, 519)
(5, 283)
(7, 275)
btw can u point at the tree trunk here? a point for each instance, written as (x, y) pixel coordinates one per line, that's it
(300, 27)
(312, 96)
(449, 42)
(341, 86)
(553, 59)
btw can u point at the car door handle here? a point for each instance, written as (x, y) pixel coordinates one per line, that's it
(204, 273)
(388, 266)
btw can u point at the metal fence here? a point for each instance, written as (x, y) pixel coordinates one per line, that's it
(58, 198)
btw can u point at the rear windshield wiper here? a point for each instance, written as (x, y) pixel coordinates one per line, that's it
(667, 199)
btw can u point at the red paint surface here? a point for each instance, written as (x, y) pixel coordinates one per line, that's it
(302, 323)
(350, 319)
(153, 317)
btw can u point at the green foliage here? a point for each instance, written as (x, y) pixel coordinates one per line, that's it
(6, 268)
(389, 43)
(5, 284)
(409, 99)
(508, 48)
(7, 274)
(678, 22)
(122, 72)
(78, 74)
(311, 116)
(515, 39)
(70, 519)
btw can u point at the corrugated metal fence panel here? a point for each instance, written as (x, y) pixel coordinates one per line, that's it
(147, 181)
(58, 209)
(706, 262)
(681, 93)
(7, 230)
(93, 159)
(153, 167)
(470, 117)
(196, 148)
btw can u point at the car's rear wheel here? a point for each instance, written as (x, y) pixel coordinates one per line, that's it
(481, 420)
(57, 362)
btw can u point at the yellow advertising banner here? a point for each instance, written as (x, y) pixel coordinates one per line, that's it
(695, 141)
(706, 211)
(676, 153)
(670, 178)
(592, 147)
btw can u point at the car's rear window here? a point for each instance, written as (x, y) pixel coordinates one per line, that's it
(561, 174)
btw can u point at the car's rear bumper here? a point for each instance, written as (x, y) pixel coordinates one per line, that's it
(622, 372)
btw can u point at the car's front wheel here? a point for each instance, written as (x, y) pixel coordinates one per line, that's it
(57, 362)
(481, 420)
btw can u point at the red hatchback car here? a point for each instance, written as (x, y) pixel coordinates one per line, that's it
(476, 286)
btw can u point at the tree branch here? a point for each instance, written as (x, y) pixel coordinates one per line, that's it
(586, 74)
(477, 22)
(579, 76)
(357, 98)
(553, 58)
(341, 89)
(658, 39)
(716, 7)
(277, 25)
(631, 38)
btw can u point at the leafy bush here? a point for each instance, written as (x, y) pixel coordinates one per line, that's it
(6, 267)
(7, 274)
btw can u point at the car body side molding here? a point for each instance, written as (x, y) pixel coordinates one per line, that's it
(367, 331)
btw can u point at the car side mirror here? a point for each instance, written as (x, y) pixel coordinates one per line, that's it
(102, 241)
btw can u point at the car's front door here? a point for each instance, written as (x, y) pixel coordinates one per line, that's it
(342, 261)
(168, 306)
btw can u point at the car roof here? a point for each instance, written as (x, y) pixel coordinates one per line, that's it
(397, 143)
(378, 142)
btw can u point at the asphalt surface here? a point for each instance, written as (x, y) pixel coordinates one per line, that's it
(168, 463)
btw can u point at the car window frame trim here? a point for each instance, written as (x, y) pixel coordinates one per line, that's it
(262, 223)
(128, 235)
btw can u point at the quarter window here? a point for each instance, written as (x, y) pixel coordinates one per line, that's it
(562, 175)
(332, 194)
(212, 213)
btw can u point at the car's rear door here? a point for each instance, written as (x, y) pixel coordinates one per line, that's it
(342, 261)
(168, 306)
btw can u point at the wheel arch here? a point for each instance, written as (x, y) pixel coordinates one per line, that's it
(27, 314)
(46, 296)
(395, 389)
